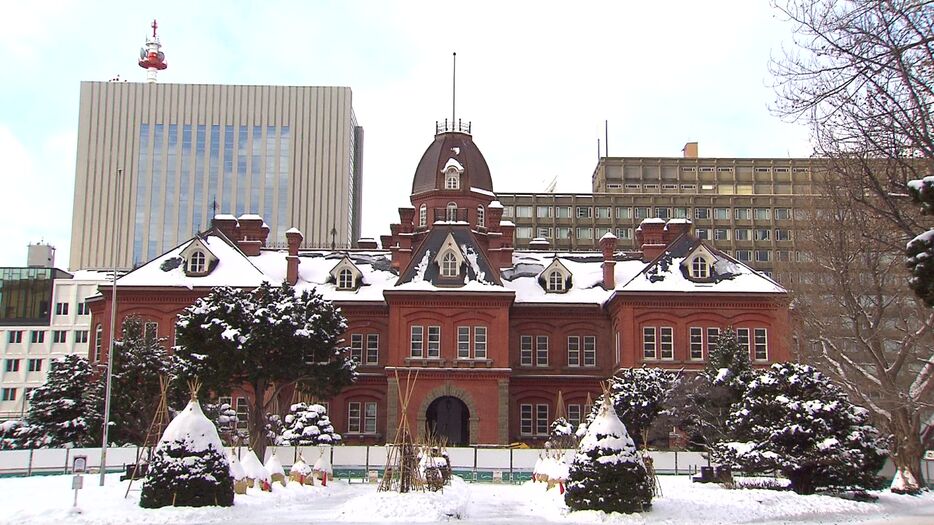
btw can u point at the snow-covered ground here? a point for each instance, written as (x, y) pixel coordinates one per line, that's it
(48, 499)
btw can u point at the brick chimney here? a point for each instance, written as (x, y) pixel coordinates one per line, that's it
(228, 225)
(253, 232)
(650, 235)
(407, 218)
(608, 247)
(690, 150)
(366, 243)
(674, 228)
(494, 214)
(539, 244)
(294, 238)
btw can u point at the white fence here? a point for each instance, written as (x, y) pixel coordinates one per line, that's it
(355, 461)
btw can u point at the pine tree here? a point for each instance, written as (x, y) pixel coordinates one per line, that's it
(561, 435)
(307, 425)
(139, 359)
(189, 467)
(67, 409)
(728, 363)
(607, 473)
(794, 420)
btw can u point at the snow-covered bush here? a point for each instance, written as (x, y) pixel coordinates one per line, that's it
(607, 473)
(307, 425)
(794, 420)
(189, 467)
(562, 435)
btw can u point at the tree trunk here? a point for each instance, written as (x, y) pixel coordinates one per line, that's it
(802, 481)
(907, 449)
(258, 420)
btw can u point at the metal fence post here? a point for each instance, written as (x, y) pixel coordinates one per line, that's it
(475, 464)
(512, 476)
(67, 453)
(29, 466)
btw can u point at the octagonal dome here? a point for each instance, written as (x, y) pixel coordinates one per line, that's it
(452, 145)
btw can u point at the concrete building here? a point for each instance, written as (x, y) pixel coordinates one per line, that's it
(156, 161)
(43, 317)
(747, 207)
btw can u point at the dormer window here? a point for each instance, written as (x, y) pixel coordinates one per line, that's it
(345, 279)
(556, 278)
(452, 179)
(699, 268)
(449, 266)
(196, 262)
(555, 281)
(481, 217)
(451, 215)
(422, 216)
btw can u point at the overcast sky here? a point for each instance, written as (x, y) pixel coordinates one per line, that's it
(537, 79)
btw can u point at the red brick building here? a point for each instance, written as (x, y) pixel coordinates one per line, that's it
(493, 333)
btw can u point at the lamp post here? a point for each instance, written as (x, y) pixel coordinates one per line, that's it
(113, 326)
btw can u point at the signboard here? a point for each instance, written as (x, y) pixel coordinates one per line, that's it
(80, 464)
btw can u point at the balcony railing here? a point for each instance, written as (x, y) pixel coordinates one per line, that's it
(457, 127)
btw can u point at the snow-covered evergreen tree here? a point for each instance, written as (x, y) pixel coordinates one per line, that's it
(189, 467)
(607, 473)
(139, 359)
(793, 419)
(728, 363)
(638, 395)
(307, 425)
(67, 409)
(11, 434)
(562, 434)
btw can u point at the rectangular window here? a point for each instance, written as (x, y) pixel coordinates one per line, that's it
(434, 341)
(243, 413)
(58, 336)
(782, 235)
(369, 422)
(84, 309)
(463, 342)
(372, 349)
(524, 232)
(763, 214)
(763, 255)
(744, 255)
(680, 213)
(614, 186)
(702, 233)
(783, 255)
(742, 213)
(650, 188)
(574, 415)
(669, 187)
(697, 343)
(541, 350)
(741, 234)
(742, 337)
(641, 212)
(624, 233)
(721, 214)
(416, 342)
(585, 233)
(623, 212)
(525, 420)
(8, 394)
(508, 211)
(701, 213)
(782, 214)
(15, 336)
(763, 234)
(541, 420)
(479, 342)
(61, 308)
(667, 342)
(649, 350)
(713, 335)
(688, 188)
(590, 350)
(721, 234)
(353, 417)
(356, 347)
(81, 336)
(37, 336)
(663, 213)
(12, 365)
(563, 212)
(564, 232)
(761, 352)
(603, 212)
(543, 212)
(543, 232)
(151, 331)
(574, 350)
(524, 212)
(525, 350)
(584, 212)
(34, 365)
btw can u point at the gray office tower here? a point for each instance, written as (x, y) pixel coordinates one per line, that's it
(156, 162)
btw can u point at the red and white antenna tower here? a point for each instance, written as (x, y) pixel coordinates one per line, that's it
(151, 58)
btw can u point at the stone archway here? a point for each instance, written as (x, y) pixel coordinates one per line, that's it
(448, 390)
(447, 417)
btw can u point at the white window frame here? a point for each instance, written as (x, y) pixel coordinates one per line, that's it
(417, 341)
(481, 217)
(541, 350)
(356, 347)
(526, 350)
(589, 350)
(574, 350)
(422, 216)
(449, 266)
(542, 421)
(450, 214)
(526, 419)
(760, 344)
(696, 343)
(345, 279)
(666, 341)
(371, 351)
(555, 281)
(433, 347)
(649, 343)
(699, 268)
(196, 262)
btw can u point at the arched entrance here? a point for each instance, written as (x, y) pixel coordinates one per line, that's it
(449, 417)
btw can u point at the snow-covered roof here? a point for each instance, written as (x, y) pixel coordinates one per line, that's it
(452, 162)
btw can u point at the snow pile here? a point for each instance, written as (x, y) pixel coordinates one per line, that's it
(194, 428)
(415, 507)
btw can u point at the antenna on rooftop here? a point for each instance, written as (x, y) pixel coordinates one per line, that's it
(151, 57)
(454, 90)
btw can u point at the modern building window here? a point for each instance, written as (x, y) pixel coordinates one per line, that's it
(12, 365)
(763, 214)
(345, 279)
(555, 281)
(481, 217)
(524, 232)
(702, 234)
(782, 214)
(649, 348)
(680, 213)
(584, 212)
(663, 213)
(721, 214)
(372, 349)
(524, 212)
(417, 341)
(58, 336)
(544, 232)
(563, 232)
(37, 336)
(742, 213)
(422, 216)
(702, 213)
(641, 212)
(697, 343)
(84, 309)
(699, 268)
(34, 365)
(761, 349)
(744, 255)
(196, 262)
(603, 212)
(508, 211)
(721, 234)
(585, 233)
(449, 266)
(667, 345)
(61, 308)
(782, 235)
(763, 234)
(81, 336)
(543, 212)
(624, 233)
(623, 212)
(563, 212)
(15, 336)
(8, 394)
(741, 234)
(763, 255)
(451, 215)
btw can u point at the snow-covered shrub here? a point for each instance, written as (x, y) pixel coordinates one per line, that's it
(794, 420)
(307, 425)
(189, 467)
(67, 409)
(607, 473)
(562, 435)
